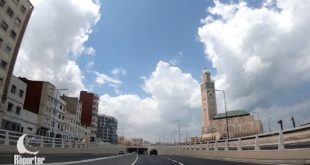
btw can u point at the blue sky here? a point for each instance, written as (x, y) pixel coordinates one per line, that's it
(169, 43)
(136, 35)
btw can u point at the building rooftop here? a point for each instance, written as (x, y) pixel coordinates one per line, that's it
(231, 114)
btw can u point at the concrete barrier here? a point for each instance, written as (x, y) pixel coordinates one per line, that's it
(295, 156)
(112, 149)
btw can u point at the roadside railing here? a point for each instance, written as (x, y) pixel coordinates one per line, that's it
(287, 139)
(11, 138)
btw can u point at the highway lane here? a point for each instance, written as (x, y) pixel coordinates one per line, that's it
(201, 161)
(8, 158)
(133, 159)
(153, 160)
(127, 159)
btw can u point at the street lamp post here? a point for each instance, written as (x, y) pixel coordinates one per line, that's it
(55, 101)
(281, 124)
(164, 135)
(293, 120)
(225, 111)
(269, 124)
(260, 126)
(179, 130)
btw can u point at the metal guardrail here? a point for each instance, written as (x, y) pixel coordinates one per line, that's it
(11, 137)
(288, 139)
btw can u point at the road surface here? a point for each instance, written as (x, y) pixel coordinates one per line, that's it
(127, 159)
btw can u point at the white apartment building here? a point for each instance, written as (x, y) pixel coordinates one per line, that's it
(14, 117)
(14, 17)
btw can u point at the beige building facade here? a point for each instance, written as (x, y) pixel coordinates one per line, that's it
(14, 17)
(222, 125)
(75, 130)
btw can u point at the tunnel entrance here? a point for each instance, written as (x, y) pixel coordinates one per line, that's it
(137, 150)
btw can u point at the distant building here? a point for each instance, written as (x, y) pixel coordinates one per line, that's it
(121, 140)
(74, 128)
(14, 17)
(240, 123)
(90, 103)
(137, 141)
(107, 129)
(14, 117)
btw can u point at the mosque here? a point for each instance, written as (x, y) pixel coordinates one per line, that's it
(240, 122)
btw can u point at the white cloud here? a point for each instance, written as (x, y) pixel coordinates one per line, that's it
(174, 95)
(90, 51)
(261, 55)
(55, 37)
(118, 72)
(89, 65)
(102, 79)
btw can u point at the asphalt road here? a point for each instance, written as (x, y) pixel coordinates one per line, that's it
(127, 159)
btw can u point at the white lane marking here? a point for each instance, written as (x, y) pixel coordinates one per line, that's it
(172, 160)
(133, 163)
(86, 160)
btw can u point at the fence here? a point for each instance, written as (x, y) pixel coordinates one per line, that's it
(287, 139)
(10, 138)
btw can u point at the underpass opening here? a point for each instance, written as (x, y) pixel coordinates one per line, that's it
(137, 150)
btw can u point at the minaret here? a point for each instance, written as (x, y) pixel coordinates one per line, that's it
(208, 100)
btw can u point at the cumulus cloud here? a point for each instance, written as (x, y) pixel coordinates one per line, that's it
(54, 39)
(90, 51)
(102, 79)
(118, 72)
(173, 95)
(89, 66)
(261, 56)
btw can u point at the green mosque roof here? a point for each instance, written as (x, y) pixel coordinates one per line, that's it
(231, 114)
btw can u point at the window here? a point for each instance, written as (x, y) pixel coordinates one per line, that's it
(23, 9)
(13, 34)
(18, 108)
(1, 81)
(16, 2)
(10, 107)
(3, 64)
(29, 128)
(18, 21)
(59, 116)
(13, 89)
(8, 49)
(1, 41)
(10, 12)
(21, 93)
(4, 26)
(2, 3)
